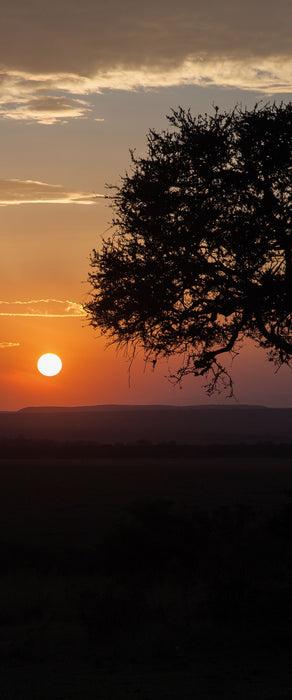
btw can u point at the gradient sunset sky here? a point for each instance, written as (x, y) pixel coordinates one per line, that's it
(81, 83)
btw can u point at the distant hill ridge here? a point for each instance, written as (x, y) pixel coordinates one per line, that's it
(151, 423)
(135, 407)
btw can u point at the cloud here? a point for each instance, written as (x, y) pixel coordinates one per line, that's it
(4, 345)
(45, 109)
(34, 192)
(53, 55)
(44, 308)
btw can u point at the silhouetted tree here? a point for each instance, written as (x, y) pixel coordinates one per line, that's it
(201, 254)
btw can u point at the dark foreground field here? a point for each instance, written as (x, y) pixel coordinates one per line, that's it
(166, 578)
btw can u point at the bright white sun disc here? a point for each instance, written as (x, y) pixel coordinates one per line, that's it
(49, 364)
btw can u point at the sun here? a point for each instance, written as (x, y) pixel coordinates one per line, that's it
(49, 364)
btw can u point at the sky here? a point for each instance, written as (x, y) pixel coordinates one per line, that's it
(81, 84)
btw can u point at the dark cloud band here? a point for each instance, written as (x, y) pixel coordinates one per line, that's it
(54, 54)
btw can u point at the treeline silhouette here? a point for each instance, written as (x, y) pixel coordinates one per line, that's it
(25, 448)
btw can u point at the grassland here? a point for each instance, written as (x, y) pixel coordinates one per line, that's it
(154, 578)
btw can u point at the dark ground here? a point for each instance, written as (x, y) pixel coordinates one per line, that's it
(147, 578)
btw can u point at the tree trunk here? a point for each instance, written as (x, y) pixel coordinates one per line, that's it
(288, 275)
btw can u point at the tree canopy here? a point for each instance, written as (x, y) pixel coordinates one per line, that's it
(201, 251)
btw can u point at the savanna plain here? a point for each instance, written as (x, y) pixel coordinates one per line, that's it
(131, 576)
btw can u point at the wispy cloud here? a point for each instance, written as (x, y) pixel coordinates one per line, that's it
(68, 50)
(4, 345)
(34, 192)
(44, 308)
(23, 95)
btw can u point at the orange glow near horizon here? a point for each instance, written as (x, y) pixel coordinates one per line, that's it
(93, 374)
